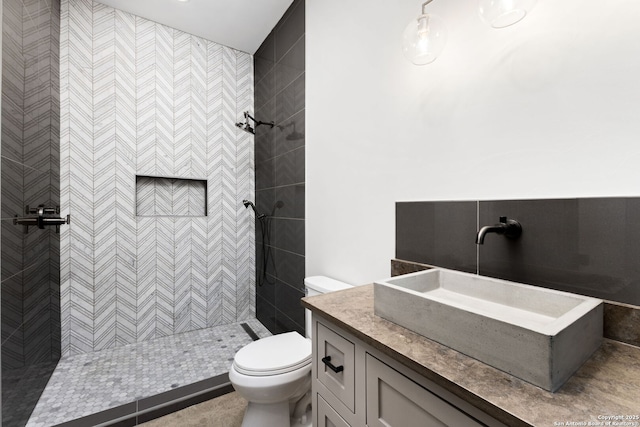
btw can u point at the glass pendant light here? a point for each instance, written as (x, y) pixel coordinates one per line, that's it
(424, 38)
(503, 13)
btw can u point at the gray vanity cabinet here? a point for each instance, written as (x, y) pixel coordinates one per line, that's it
(395, 400)
(327, 416)
(340, 353)
(356, 385)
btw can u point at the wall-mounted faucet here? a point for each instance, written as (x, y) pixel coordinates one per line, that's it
(509, 228)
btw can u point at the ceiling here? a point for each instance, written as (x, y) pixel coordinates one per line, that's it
(240, 24)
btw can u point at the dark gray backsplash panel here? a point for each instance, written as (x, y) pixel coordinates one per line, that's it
(585, 246)
(589, 246)
(438, 233)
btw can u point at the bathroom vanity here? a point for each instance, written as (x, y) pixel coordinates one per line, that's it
(356, 385)
(369, 371)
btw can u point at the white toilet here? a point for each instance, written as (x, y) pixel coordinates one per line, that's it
(274, 373)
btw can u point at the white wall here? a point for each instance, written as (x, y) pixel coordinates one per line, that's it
(548, 108)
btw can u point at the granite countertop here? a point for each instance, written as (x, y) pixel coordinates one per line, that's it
(608, 384)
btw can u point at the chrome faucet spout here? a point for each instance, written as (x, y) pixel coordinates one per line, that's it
(510, 228)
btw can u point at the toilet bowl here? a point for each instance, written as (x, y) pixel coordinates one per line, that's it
(274, 374)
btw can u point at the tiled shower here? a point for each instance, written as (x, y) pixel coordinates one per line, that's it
(127, 126)
(148, 117)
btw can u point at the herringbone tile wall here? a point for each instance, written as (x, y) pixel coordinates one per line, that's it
(140, 98)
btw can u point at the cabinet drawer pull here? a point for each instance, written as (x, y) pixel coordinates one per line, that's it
(327, 361)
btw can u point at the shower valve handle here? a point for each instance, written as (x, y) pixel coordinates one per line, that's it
(44, 218)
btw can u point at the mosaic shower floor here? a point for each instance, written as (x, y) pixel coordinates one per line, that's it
(89, 383)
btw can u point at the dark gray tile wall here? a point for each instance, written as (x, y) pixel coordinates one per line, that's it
(589, 246)
(279, 66)
(30, 154)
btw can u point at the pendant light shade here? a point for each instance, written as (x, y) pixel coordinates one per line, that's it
(503, 13)
(424, 38)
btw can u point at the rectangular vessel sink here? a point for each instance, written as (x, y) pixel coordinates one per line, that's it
(539, 335)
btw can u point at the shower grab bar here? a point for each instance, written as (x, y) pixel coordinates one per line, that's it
(43, 219)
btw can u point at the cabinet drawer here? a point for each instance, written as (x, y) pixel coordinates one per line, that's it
(395, 400)
(339, 353)
(327, 416)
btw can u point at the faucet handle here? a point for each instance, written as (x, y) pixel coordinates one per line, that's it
(513, 229)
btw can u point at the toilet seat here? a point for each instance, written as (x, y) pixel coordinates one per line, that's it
(277, 354)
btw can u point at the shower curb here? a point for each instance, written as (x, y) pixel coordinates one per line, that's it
(149, 408)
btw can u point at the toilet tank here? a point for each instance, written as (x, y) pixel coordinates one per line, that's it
(318, 285)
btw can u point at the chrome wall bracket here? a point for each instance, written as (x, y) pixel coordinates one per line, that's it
(44, 217)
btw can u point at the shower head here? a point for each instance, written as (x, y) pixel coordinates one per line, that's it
(246, 126)
(248, 203)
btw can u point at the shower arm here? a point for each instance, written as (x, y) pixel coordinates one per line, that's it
(258, 122)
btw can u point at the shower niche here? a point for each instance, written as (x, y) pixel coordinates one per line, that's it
(170, 196)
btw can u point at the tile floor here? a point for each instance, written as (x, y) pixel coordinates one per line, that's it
(21, 389)
(85, 384)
